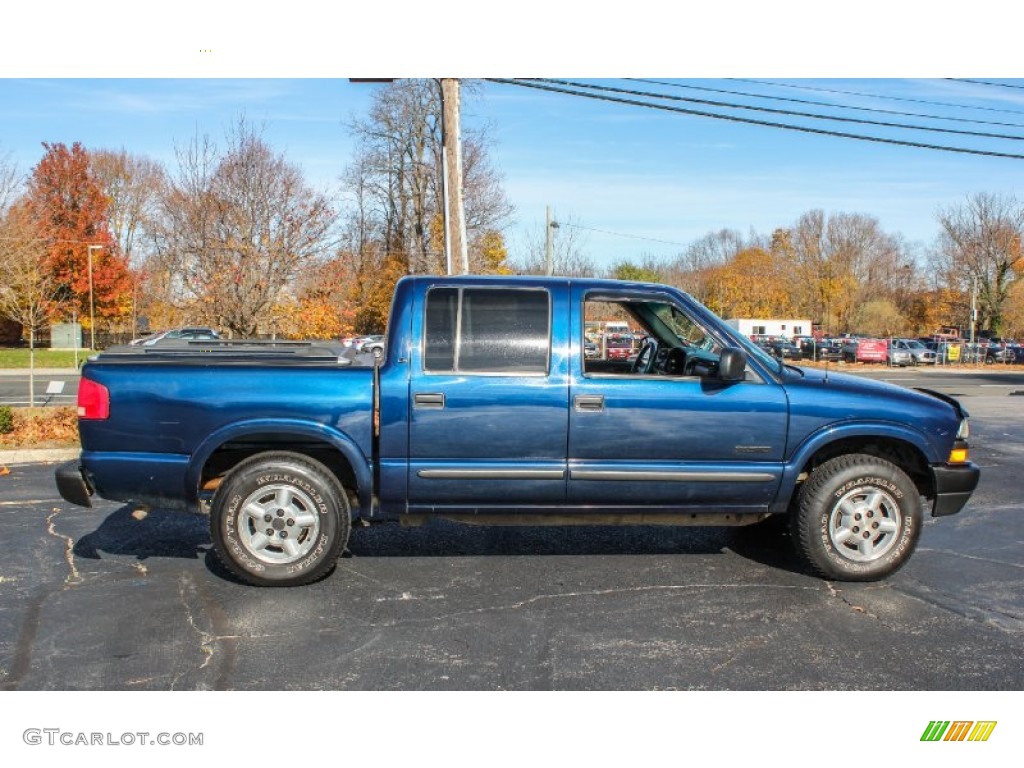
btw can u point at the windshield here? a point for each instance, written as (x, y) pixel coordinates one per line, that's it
(735, 337)
(685, 332)
(700, 339)
(689, 334)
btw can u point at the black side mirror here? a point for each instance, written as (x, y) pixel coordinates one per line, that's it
(732, 364)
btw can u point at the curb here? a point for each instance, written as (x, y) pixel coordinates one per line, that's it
(38, 455)
(41, 372)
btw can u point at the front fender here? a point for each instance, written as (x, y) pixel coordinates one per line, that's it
(282, 428)
(816, 441)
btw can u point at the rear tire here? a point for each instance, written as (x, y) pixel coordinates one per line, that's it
(857, 518)
(280, 519)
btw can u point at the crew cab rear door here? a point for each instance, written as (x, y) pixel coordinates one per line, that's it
(488, 396)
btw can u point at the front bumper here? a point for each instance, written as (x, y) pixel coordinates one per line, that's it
(72, 483)
(954, 485)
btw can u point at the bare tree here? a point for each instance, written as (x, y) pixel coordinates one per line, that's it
(568, 250)
(10, 182)
(980, 249)
(26, 285)
(132, 184)
(236, 229)
(398, 170)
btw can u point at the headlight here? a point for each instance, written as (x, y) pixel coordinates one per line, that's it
(965, 430)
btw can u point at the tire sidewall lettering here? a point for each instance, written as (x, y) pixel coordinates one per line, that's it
(870, 481)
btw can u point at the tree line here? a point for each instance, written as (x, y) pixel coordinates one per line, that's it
(847, 274)
(232, 235)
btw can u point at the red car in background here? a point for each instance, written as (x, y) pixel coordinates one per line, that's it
(618, 347)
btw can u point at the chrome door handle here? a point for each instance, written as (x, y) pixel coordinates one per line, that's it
(588, 403)
(427, 400)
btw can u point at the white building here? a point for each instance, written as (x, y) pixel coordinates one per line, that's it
(766, 327)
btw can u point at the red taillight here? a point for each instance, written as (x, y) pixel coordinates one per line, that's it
(93, 400)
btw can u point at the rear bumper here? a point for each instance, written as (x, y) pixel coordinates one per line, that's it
(953, 487)
(72, 483)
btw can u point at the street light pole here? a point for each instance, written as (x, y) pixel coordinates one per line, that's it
(92, 303)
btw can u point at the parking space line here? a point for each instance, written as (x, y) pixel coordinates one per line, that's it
(30, 501)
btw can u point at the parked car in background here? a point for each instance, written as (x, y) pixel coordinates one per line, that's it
(820, 349)
(898, 356)
(373, 345)
(998, 351)
(785, 350)
(920, 354)
(189, 333)
(618, 346)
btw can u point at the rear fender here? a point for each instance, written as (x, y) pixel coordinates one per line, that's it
(282, 429)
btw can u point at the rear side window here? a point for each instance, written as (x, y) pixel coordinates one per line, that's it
(487, 330)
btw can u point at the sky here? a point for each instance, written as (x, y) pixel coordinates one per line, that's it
(633, 181)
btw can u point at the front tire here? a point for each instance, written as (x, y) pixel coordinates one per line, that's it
(858, 518)
(280, 519)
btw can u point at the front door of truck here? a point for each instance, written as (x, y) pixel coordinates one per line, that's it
(662, 433)
(488, 397)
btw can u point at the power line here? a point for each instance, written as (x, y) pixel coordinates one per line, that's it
(876, 96)
(985, 82)
(623, 234)
(751, 121)
(826, 104)
(786, 112)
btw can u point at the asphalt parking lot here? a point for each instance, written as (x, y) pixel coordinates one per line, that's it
(117, 598)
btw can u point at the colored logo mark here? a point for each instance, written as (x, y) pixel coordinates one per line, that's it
(958, 730)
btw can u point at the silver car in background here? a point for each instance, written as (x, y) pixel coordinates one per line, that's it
(919, 353)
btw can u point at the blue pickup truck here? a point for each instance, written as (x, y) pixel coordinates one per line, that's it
(485, 408)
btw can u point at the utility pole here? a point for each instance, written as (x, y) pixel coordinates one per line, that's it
(455, 212)
(549, 260)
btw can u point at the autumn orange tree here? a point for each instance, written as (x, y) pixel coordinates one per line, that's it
(751, 284)
(71, 213)
(320, 310)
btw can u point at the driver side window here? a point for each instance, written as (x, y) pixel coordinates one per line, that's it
(644, 336)
(612, 337)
